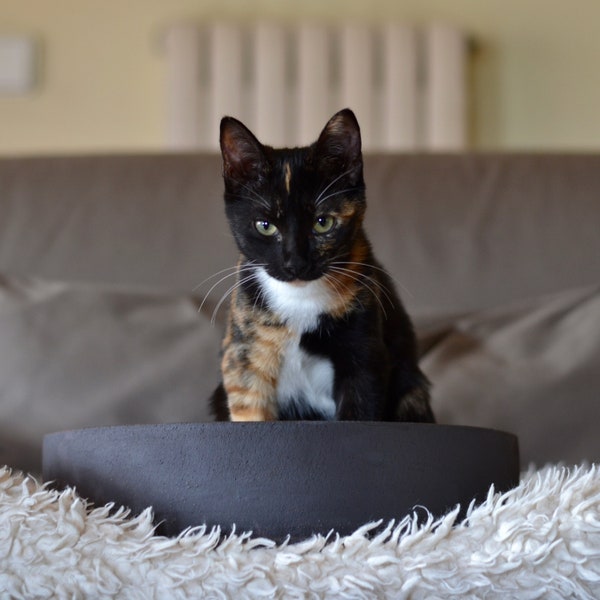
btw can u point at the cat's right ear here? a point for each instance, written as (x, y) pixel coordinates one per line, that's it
(243, 155)
(339, 146)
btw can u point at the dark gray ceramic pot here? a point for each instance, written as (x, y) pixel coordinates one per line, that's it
(281, 478)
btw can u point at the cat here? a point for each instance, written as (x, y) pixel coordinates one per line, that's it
(315, 329)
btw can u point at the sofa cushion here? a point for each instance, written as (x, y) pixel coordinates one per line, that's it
(458, 232)
(154, 221)
(531, 368)
(74, 355)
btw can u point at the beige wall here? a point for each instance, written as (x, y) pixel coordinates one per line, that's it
(536, 79)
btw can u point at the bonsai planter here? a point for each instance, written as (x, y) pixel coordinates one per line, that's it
(282, 478)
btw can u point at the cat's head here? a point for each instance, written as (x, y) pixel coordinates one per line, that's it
(295, 211)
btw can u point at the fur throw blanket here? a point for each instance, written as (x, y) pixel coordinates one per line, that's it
(540, 540)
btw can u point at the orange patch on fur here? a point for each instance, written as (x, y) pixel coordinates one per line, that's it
(251, 362)
(346, 211)
(248, 413)
(348, 284)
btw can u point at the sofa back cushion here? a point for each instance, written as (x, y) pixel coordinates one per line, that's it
(458, 232)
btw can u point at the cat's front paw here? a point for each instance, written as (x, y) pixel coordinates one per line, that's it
(251, 413)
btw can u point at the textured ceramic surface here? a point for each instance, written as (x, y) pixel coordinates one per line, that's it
(282, 478)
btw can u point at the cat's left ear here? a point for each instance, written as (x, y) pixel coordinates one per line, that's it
(243, 155)
(339, 145)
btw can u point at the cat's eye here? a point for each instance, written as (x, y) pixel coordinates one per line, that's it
(266, 228)
(324, 224)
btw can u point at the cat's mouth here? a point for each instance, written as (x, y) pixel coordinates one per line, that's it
(297, 277)
(300, 280)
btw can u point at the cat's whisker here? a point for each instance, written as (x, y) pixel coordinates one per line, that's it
(382, 288)
(404, 289)
(246, 187)
(362, 279)
(254, 194)
(337, 284)
(322, 193)
(234, 268)
(236, 285)
(375, 295)
(260, 297)
(213, 287)
(339, 192)
(232, 274)
(235, 271)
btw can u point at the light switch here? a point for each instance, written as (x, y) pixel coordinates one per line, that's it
(17, 64)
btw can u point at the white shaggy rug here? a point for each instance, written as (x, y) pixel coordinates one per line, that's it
(541, 540)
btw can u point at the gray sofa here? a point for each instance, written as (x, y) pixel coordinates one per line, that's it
(105, 261)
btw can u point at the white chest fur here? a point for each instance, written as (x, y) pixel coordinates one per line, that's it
(298, 304)
(306, 380)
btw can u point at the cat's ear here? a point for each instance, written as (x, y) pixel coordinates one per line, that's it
(243, 155)
(339, 145)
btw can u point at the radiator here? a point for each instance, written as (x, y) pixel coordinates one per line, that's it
(407, 85)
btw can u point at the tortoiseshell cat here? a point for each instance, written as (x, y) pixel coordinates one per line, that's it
(316, 329)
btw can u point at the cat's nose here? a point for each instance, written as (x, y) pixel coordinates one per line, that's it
(295, 268)
(290, 270)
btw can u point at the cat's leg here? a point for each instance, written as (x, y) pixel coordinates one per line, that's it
(359, 396)
(250, 366)
(218, 404)
(409, 398)
(362, 398)
(369, 388)
(250, 392)
(414, 406)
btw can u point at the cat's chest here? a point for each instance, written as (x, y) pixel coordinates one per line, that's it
(300, 304)
(305, 383)
(306, 380)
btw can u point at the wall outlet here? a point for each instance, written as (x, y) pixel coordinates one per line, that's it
(17, 64)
